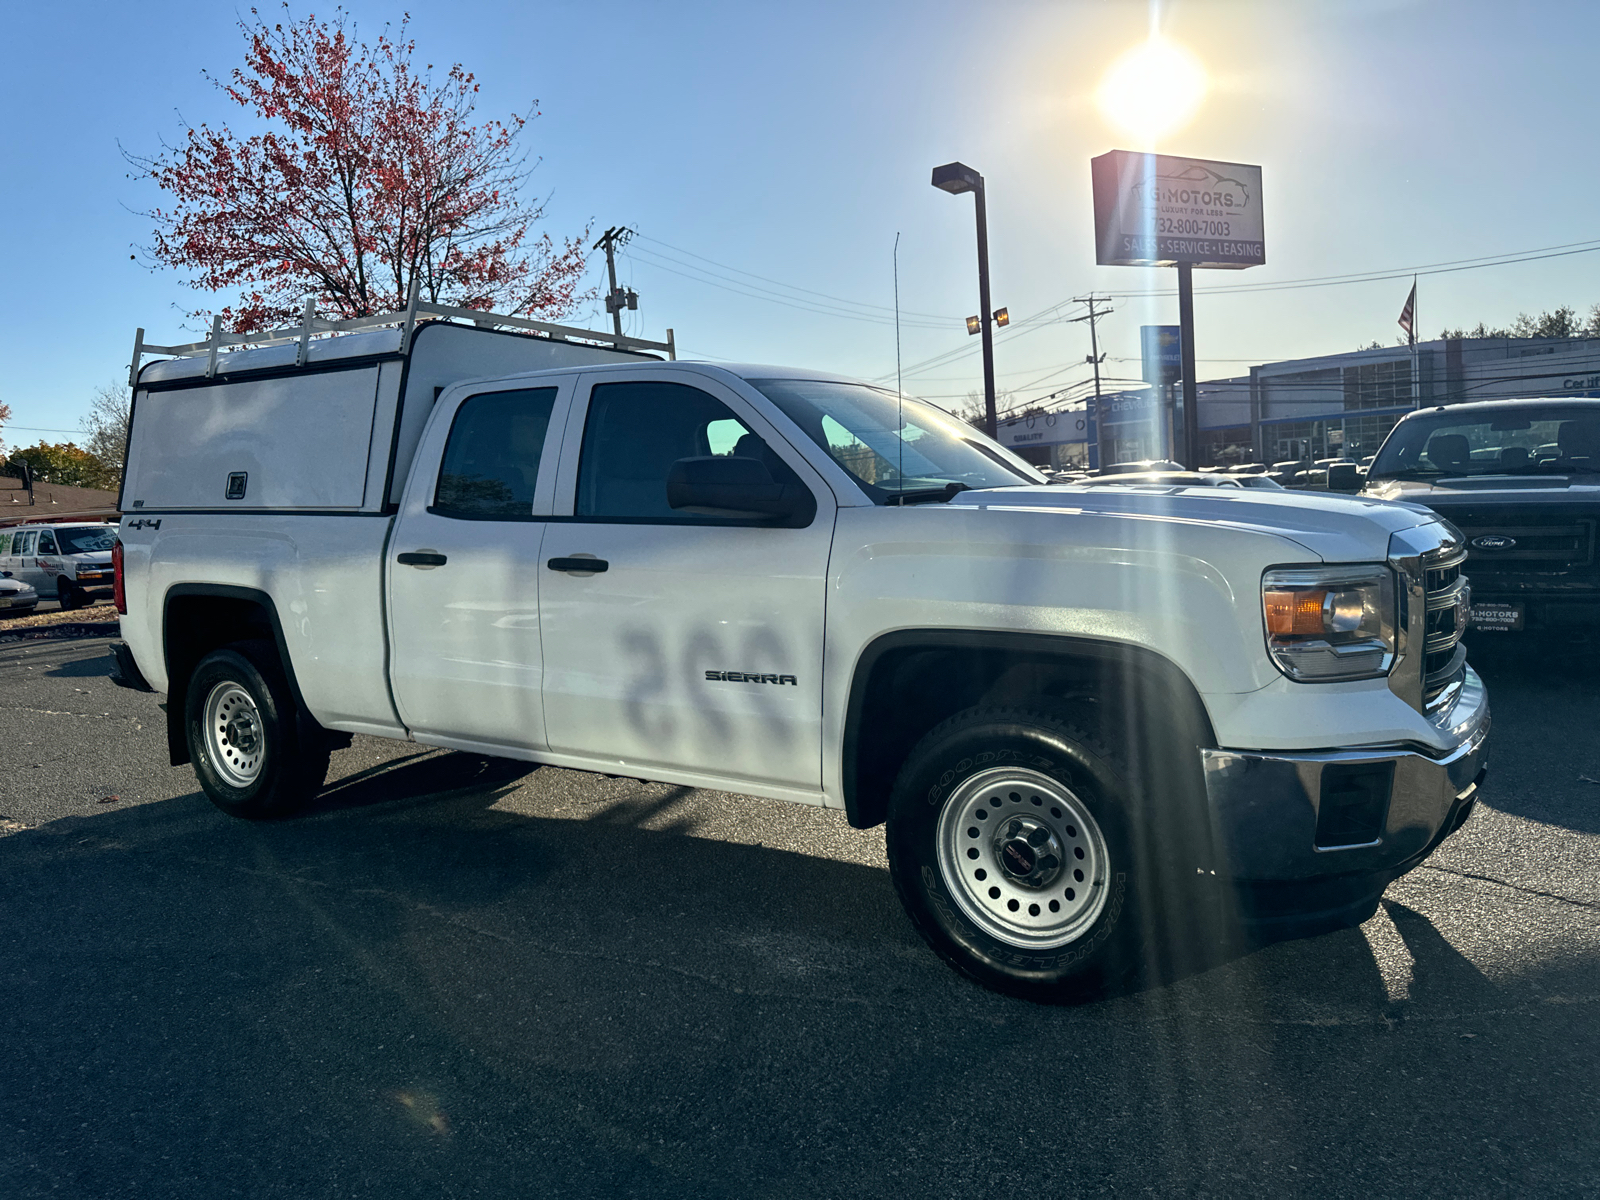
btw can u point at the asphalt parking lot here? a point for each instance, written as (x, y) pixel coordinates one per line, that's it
(462, 976)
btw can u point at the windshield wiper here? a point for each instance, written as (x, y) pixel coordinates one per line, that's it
(919, 495)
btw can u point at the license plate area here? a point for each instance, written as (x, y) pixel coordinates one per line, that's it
(1491, 617)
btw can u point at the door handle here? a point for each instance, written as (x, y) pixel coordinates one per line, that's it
(579, 564)
(424, 559)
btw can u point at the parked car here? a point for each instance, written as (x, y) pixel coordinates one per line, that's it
(17, 599)
(1144, 465)
(1096, 719)
(69, 562)
(1521, 480)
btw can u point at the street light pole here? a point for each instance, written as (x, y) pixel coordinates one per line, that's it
(1191, 391)
(957, 178)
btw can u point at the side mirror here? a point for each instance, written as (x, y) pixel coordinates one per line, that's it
(731, 486)
(1344, 477)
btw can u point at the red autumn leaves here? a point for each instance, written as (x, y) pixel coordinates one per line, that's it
(364, 176)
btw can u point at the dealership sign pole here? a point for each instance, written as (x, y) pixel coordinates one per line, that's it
(1156, 210)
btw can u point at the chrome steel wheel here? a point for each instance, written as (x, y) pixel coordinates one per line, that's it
(234, 734)
(1023, 858)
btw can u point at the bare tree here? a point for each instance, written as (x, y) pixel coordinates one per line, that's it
(106, 426)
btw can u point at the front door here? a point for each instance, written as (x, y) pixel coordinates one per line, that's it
(694, 645)
(463, 570)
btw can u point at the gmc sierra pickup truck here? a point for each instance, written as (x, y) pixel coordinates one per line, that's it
(1086, 714)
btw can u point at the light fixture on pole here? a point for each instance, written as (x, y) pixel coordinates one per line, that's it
(957, 178)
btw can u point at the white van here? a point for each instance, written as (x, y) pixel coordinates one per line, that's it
(67, 562)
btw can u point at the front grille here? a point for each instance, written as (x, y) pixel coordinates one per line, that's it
(1541, 541)
(1447, 602)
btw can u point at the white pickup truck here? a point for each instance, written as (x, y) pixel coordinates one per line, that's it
(1097, 721)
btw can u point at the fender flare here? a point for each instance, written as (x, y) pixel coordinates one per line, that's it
(1173, 682)
(178, 681)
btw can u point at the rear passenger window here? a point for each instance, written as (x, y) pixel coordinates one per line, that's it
(491, 460)
(25, 543)
(636, 431)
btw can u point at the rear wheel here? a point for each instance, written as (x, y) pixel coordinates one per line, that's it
(254, 752)
(1009, 844)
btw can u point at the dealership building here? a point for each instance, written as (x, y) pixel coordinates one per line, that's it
(1326, 407)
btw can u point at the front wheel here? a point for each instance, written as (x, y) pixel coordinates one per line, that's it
(254, 753)
(70, 596)
(1010, 847)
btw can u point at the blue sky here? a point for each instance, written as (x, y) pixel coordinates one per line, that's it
(794, 141)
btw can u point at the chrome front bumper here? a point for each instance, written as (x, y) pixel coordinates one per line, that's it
(1299, 817)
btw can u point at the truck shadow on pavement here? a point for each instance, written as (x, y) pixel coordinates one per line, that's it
(413, 988)
(1544, 758)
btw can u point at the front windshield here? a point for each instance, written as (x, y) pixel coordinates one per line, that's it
(86, 541)
(1517, 440)
(862, 429)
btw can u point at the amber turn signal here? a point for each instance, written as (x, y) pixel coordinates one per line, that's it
(1295, 612)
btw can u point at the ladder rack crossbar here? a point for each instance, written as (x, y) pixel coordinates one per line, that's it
(406, 319)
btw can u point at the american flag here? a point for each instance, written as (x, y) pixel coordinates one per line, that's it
(1409, 312)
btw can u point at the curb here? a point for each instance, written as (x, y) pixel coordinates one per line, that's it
(79, 629)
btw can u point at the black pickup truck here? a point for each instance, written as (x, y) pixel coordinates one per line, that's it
(1521, 480)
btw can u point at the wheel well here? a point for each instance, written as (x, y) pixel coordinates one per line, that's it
(200, 618)
(905, 684)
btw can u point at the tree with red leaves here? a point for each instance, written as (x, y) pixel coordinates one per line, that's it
(368, 176)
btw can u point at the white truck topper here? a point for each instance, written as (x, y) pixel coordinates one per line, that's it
(324, 416)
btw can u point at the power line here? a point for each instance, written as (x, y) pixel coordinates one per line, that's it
(940, 317)
(753, 292)
(1378, 276)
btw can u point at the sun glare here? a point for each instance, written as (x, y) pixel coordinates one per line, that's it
(1152, 90)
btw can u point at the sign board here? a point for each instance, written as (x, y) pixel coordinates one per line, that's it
(1121, 408)
(1161, 352)
(1044, 429)
(1153, 210)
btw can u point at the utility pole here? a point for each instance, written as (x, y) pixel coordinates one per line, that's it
(617, 298)
(1095, 356)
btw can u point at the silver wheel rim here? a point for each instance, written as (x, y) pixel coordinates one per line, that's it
(234, 734)
(1023, 857)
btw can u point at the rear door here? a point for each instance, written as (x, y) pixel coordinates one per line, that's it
(50, 563)
(24, 544)
(694, 646)
(463, 569)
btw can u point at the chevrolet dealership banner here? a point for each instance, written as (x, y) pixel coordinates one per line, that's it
(1156, 210)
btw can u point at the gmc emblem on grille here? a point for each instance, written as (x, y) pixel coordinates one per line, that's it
(1494, 541)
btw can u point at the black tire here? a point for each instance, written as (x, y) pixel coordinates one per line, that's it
(1035, 764)
(266, 758)
(69, 595)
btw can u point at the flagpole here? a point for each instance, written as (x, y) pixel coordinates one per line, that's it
(1416, 375)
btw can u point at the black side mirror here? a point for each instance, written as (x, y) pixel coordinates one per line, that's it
(1344, 477)
(731, 486)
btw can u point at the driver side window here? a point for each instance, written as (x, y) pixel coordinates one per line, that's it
(636, 431)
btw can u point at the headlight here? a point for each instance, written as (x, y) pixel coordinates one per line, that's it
(1329, 623)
